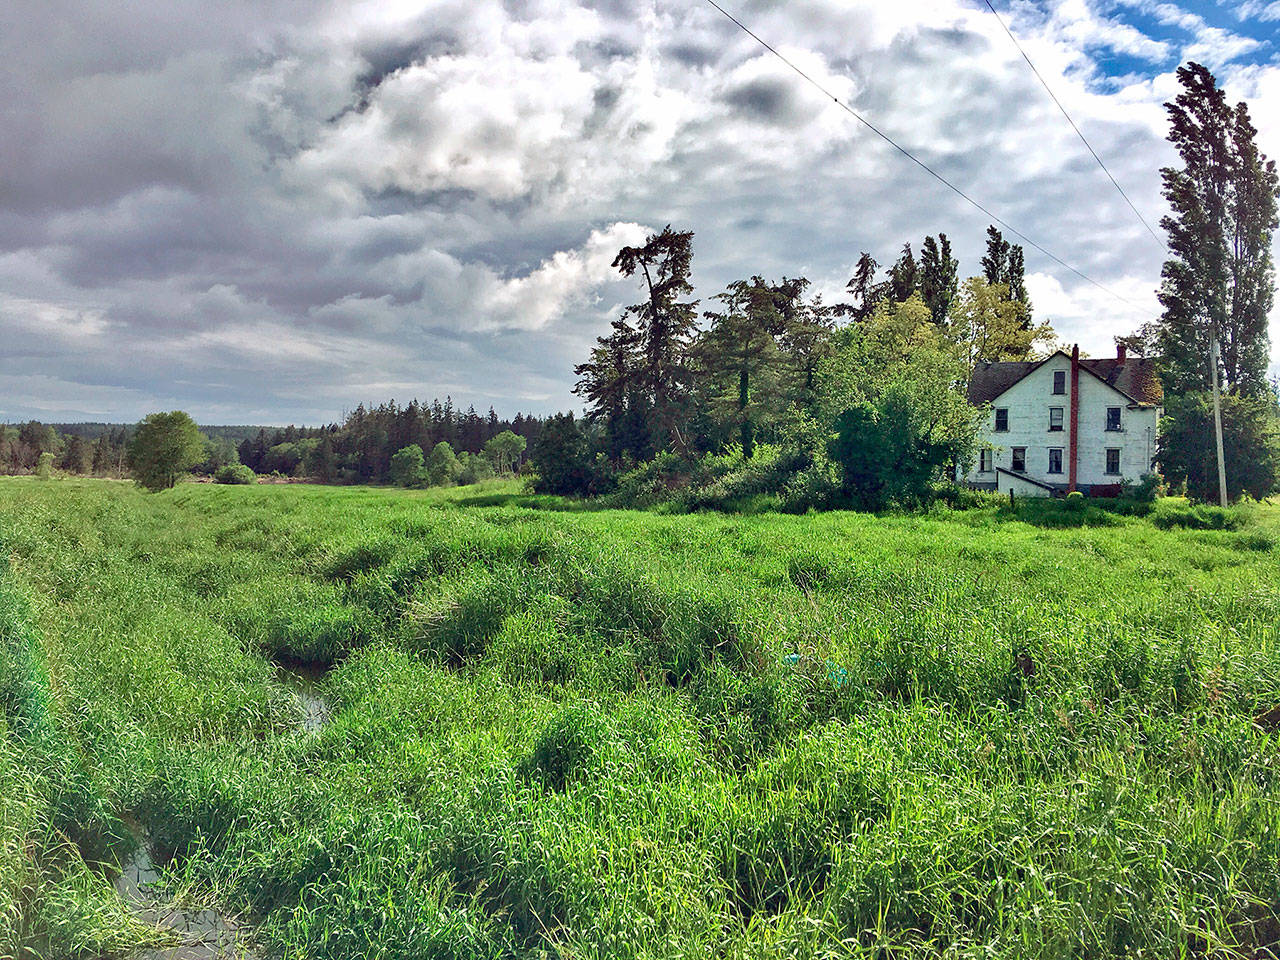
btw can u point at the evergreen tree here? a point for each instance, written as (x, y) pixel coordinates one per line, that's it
(1219, 275)
(664, 325)
(742, 357)
(863, 288)
(610, 382)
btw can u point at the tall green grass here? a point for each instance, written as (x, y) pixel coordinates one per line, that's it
(619, 734)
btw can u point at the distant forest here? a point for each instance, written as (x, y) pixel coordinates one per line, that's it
(358, 450)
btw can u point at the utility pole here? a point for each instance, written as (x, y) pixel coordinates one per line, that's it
(1217, 416)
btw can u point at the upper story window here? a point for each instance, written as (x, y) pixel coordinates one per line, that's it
(1002, 419)
(1113, 461)
(1055, 459)
(1059, 381)
(1019, 459)
(1055, 418)
(984, 460)
(1113, 418)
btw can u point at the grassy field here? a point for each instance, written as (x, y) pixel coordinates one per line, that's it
(607, 734)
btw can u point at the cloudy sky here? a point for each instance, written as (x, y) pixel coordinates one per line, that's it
(266, 211)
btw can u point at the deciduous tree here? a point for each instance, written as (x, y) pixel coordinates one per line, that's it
(165, 446)
(1219, 275)
(939, 283)
(989, 326)
(408, 466)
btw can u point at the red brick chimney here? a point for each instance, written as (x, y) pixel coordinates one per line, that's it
(1122, 353)
(1072, 447)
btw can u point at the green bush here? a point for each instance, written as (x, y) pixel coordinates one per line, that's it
(408, 466)
(1147, 490)
(235, 473)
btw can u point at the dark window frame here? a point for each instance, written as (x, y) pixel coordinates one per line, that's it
(1116, 425)
(998, 428)
(1059, 383)
(1107, 463)
(1019, 463)
(1058, 427)
(1052, 451)
(986, 460)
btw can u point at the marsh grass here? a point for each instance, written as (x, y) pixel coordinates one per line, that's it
(558, 732)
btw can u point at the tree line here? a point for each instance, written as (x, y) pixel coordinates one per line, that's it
(361, 449)
(765, 390)
(861, 401)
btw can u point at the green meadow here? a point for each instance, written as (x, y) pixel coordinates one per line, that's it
(550, 731)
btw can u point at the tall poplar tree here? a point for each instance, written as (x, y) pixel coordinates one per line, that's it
(939, 281)
(1002, 265)
(1219, 275)
(904, 276)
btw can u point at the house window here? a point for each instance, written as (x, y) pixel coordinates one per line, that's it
(1060, 382)
(984, 461)
(1002, 419)
(1055, 419)
(1113, 418)
(1113, 461)
(1019, 459)
(1055, 459)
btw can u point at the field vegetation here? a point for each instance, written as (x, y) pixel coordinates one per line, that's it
(564, 731)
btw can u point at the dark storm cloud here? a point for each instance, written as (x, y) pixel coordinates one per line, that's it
(767, 100)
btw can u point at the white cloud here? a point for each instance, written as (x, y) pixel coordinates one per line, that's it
(278, 207)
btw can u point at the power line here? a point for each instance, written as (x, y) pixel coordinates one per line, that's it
(1054, 97)
(917, 161)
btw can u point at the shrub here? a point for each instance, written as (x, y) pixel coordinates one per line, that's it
(235, 473)
(1147, 490)
(473, 468)
(44, 467)
(561, 458)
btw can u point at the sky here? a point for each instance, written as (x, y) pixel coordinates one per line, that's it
(268, 211)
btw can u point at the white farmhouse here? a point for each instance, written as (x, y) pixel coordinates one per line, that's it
(1065, 424)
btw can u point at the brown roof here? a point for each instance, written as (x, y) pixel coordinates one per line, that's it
(1136, 378)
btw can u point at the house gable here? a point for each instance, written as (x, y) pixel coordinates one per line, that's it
(1133, 379)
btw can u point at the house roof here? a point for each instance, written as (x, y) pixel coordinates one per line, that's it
(1135, 378)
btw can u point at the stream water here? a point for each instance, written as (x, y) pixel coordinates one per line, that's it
(200, 934)
(304, 680)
